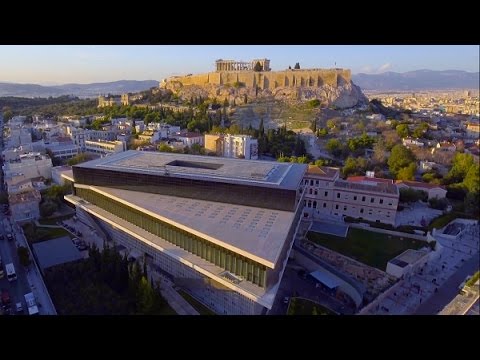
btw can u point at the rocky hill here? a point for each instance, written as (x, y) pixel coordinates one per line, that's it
(343, 96)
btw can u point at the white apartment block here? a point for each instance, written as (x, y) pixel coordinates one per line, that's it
(232, 146)
(104, 147)
(29, 166)
(64, 151)
(364, 198)
(78, 136)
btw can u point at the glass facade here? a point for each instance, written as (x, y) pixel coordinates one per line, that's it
(236, 264)
(257, 196)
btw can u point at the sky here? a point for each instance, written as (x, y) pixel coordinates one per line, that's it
(61, 64)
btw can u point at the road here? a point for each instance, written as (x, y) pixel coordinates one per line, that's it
(292, 284)
(449, 289)
(28, 279)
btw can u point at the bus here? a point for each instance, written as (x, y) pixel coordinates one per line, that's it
(11, 275)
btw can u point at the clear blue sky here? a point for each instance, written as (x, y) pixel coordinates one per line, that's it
(60, 64)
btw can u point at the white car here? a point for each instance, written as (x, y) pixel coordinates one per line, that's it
(19, 307)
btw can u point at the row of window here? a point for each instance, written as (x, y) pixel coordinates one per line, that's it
(221, 257)
(313, 204)
(315, 182)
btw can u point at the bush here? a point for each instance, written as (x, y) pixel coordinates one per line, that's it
(439, 204)
(23, 255)
(48, 208)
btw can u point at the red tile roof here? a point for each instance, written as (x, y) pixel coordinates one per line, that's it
(419, 184)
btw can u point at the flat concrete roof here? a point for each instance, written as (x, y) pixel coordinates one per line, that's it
(55, 252)
(409, 256)
(237, 171)
(256, 233)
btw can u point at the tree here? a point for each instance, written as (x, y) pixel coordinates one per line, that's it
(411, 195)
(77, 159)
(461, 164)
(334, 146)
(472, 179)
(23, 255)
(331, 124)
(297, 66)
(420, 130)
(407, 173)
(322, 132)
(379, 152)
(164, 148)
(48, 208)
(400, 157)
(354, 166)
(402, 130)
(258, 67)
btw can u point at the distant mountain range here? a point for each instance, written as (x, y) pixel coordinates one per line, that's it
(418, 80)
(80, 90)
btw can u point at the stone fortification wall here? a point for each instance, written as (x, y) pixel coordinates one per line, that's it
(270, 79)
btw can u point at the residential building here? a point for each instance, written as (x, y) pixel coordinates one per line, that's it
(361, 197)
(104, 147)
(189, 138)
(28, 166)
(220, 228)
(233, 146)
(409, 142)
(473, 130)
(151, 136)
(63, 151)
(25, 205)
(433, 190)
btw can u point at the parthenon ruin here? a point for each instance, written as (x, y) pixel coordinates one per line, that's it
(232, 65)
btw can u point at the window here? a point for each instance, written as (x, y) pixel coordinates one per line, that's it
(315, 192)
(372, 200)
(355, 198)
(309, 203)
(316, 182)
(306, 181)
(311, 182)
(324, 205)
(314, 204)
(336, 207)
(344, 208)
(361, 211)
(381, 201)
(338, 195)
(326, 193)
(310, 191)
(389, 204)
(363, 198)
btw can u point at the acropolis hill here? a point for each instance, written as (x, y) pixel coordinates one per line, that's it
(235, 79)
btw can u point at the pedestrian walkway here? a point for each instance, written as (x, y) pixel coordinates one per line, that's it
(174, 299)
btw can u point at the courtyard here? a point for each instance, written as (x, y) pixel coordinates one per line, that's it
(371, 248)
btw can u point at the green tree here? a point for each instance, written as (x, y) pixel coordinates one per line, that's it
(320, 162)
(47, 208)
(402, 130)
(400, 157)
(164, 148)
(313, 103)
(331, 124)
(420, 129)
(461, 164)
(354, 166)
(322, 132)
(77, 159)
(23, 255)
(258, 67)
(471, 203)
(472, 179)
(407, 172)
(334, 147)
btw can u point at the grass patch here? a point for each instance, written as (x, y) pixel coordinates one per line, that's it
(36, 234)
(300, 306)
(197, 305)
(442, 220)
(371, 248)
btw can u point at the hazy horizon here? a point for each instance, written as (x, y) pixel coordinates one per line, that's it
(51, 65)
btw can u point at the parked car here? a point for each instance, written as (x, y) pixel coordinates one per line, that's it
(19, 307)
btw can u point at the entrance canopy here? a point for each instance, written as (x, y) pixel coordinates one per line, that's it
(326, 279)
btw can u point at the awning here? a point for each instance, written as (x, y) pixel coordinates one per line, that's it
(326, 279)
